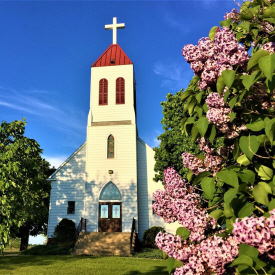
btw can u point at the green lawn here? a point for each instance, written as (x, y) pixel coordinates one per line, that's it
(28, 265)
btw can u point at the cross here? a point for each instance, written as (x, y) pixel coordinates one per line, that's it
(116, 210)
(104, 211)
(114, 27)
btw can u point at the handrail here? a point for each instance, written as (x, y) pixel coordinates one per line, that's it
(133, 229)
(81, 226)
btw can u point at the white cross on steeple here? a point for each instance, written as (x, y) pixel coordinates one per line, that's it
(114, 27)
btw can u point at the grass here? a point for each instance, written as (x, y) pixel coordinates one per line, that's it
(66, 264)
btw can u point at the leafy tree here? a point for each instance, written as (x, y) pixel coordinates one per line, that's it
(23, 189)
(172, 142)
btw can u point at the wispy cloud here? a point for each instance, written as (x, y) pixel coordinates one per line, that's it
(174, 75)
(42, 105)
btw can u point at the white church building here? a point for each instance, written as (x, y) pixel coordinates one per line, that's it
(108, 180)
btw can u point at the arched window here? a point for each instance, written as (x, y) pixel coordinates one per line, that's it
(103, 91)
(120, 90)
(110, 147)
(110, 192)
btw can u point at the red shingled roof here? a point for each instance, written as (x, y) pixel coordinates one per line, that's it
(114, 55)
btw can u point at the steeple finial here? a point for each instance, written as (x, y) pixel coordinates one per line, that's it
(114, 27)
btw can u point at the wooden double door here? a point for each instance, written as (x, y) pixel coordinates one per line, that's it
(110, 217)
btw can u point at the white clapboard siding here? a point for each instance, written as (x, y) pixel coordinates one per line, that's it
(68, 184)
(146, 187)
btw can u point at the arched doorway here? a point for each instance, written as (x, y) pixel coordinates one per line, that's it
(110, 209)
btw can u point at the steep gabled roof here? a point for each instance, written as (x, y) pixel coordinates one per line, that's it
(114, 55)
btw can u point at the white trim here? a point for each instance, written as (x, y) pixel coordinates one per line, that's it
(66, 161)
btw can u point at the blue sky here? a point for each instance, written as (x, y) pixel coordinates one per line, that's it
(47, 48)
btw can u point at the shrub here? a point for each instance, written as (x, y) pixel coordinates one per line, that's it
(65, 233)
(150, 235)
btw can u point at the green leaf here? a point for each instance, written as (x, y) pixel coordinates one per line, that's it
(191, 106)
(208, 187)
(249, 80)
(232, 102)
(270, 129)
(267, 65)
(212, 33)
(236, 150)
(256, 125)
(249, 145)
(216, 213)
(243, 160)
(228, 211)
(271, 205)
(220, 85)
(244, 25)
(263, 171)
(247, 176)
(199, 96)
(255, 58)
(170, 264)
(200, 176)
(194, 133)
(230, 195)
(183, 232)
(186, 94)
(246, 210)
(243, 260)
(202, 125)
(189, 175)
(271, 84)
(226, 23)
(228, 176)
(245, 249)
(212, 133)
(260, 194)
(232, 116)
(271, 20)
(228, 77)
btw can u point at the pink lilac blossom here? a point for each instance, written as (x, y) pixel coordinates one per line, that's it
(257, 232)
(209, 58)
(210, 162)
(270, 47)
(212, 254)
(183, 205)
(234, 14)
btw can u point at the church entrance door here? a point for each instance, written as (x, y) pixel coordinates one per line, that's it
(110, 217)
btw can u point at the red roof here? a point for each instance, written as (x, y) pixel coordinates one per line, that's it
(114, 55)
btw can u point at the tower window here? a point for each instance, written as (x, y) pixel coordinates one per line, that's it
(103, 91)
(120, 90)
(110, 147)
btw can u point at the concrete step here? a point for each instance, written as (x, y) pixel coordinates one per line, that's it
(103, 243)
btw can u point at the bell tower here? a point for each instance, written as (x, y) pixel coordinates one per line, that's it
(111, 153)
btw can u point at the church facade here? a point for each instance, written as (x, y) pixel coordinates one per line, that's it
(109, 179)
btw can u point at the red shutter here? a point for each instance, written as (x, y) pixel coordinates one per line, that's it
(103, 92)
(120, 90)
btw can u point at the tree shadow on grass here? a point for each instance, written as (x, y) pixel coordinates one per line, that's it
(15, 262)
(158, 270)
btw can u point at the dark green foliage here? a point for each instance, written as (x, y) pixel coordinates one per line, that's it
(24, 192)
(172, 142)
(48, 250)
(150, 235)
(65, 233)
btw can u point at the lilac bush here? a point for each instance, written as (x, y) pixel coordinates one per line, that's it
(227, 206)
